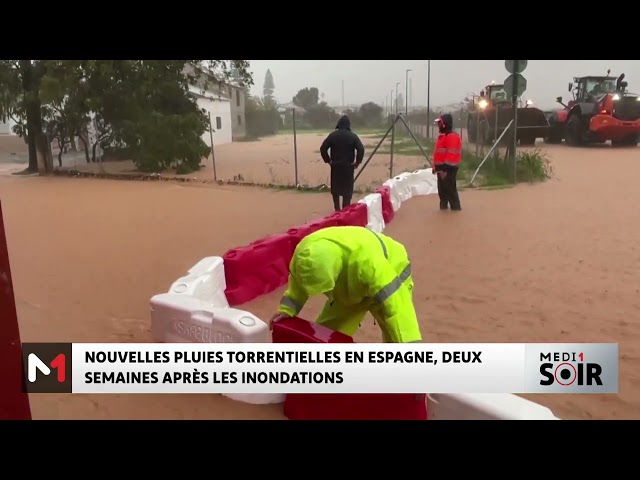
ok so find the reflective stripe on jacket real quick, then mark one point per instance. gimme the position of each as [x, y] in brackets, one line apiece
[355, 266]
[448, 150]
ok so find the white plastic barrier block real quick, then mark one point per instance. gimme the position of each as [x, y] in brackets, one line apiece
[423, 182]
[400, 189]
[375, 219]
[485, 406]
[403, 185]
[205, 281]
[393, 191]
[185, 319]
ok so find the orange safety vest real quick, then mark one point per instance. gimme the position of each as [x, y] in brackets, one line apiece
[448, 150]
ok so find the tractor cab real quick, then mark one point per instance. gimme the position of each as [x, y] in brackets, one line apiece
[592, 88]
[496, 93]
[491, 96]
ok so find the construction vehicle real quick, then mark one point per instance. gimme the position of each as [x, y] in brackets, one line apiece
[601, 110]
[491, 112]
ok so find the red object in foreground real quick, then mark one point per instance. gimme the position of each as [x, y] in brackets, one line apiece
[354, 215]
[257, 269]
[341, 406]
[298, 233]
[14, 403]
[387, 207]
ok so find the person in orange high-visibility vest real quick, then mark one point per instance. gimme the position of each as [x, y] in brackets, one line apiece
[446, 160]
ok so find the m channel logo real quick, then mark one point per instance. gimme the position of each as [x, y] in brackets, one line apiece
[572, 368]
[47, 367]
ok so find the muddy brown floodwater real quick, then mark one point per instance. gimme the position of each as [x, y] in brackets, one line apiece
[554, 262]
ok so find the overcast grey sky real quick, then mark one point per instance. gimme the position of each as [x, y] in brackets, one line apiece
[451, 80]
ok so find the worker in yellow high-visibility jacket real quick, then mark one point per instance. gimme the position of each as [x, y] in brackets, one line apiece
[359, 271]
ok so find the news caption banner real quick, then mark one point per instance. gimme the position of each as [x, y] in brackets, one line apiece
[267, 368]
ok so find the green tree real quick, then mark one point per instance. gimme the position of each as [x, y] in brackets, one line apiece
[306, 98]
[268, 89]
[128, 99]
[370, 114]
[262, 119]
[321, 116]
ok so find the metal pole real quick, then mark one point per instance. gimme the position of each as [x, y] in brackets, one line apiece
[393, 142]
[406, 91]
[374, 151]
[428, 97]
[295, 147]
[514, 105]
[213, 155]
[489, 153]
[397, 85]
[415, 140]
[391, 103]
[410, 94]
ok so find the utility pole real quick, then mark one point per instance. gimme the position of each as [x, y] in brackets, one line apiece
[410, 93]
[391, 103]
[428, 98]
[406, 91]
[397, 85]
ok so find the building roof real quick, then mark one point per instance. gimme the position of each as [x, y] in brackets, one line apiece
[212, 75]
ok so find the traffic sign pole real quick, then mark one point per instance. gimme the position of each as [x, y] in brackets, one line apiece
[515, 84]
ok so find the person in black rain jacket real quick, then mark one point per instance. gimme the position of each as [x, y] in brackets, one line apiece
[343, 150]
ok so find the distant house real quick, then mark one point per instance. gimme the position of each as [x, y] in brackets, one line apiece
[286, 113]
[219, 110]
[234, 94]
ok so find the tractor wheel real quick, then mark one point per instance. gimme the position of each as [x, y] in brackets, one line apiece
[471, 131]
[527, 141]
[575, 131]
[484, 132]
[554, 136]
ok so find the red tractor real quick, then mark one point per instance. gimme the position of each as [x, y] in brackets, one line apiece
[601, 110]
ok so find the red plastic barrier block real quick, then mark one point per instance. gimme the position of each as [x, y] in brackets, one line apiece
[298, 233]
[297, 330]
[257, 269]
[387, 207]
[342, 406]
[354, 215]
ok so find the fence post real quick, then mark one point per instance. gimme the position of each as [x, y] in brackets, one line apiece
[213, 155]
[393, 141]
[295, 147]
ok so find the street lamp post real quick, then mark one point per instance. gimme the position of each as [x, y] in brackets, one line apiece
[391, 103]
[428, 97]
[397, 85]
[406, 91]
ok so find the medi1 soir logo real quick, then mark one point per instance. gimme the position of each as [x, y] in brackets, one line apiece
[572, 368]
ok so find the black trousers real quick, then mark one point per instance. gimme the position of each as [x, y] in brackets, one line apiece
[448, 189]
[346, 201]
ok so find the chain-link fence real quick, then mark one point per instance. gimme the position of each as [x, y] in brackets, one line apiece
[292, 157]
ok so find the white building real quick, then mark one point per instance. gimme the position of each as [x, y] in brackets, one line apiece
[219, 109]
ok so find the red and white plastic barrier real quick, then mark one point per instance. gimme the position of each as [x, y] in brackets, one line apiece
[198, 306]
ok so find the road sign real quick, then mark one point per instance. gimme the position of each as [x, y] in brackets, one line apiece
[510, 81]
[511, 64]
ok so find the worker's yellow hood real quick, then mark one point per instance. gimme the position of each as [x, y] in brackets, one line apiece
[316, 266]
